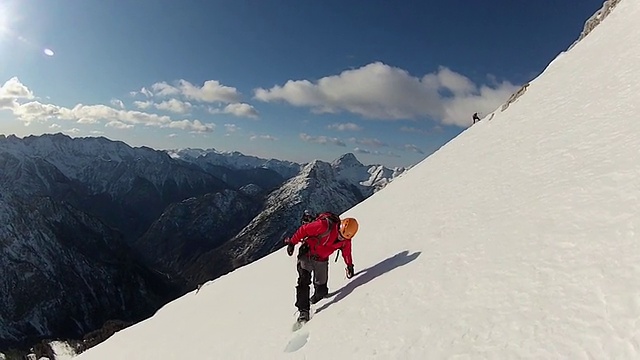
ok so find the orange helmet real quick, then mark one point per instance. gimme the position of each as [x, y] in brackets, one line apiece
[348, 228]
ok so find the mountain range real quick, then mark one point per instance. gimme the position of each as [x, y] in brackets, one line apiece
[126, 229]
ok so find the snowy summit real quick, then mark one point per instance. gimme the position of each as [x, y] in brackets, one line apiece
[517, 239]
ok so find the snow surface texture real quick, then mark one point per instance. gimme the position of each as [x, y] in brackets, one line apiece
[62, 350]
[518, 239]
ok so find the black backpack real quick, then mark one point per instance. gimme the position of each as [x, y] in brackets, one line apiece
[332, 219]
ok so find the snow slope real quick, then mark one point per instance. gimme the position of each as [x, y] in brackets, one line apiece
[517, 239]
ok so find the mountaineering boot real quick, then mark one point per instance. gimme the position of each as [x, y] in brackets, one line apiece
[319, 293]
[315, 298]
[304, 316]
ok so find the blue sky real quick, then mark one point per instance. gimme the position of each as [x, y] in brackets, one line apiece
[391, 81]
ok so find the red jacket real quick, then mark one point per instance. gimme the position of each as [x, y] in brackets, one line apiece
[323, 247]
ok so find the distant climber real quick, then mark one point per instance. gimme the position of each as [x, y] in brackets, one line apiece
[476, 118]
[320, 238]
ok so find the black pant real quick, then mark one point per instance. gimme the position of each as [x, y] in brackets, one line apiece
[306, 267]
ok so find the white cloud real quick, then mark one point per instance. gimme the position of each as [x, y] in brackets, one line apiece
[263, 137]
[241, 110]
[164, 89]
[369, 142]
[445, 79]
[143, 104]
[236, 109]
[322, 140]
[117, 103]
[231, 128]
[8, 103]
[193, 126]
[361, 151]
[55, 126]
[211, 91]
[118, 125]
[14, 89]
[91, 114]
[414, 148]
[370, 152]
[174, 105]
[11, 91]
[88, 120]
[345, 127]
[35, 111]
[73, 131]
[172, 135]
[380, 91]
[144, 91]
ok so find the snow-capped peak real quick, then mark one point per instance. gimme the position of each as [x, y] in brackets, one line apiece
[347, 160]
[189, 153]
[368, 179]
[319, 170]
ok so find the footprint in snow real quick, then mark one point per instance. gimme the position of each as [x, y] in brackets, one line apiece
[298, 340]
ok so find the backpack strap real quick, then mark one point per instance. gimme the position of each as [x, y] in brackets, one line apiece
[331, 219]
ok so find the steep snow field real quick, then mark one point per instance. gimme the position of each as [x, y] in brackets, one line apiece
[518, 239]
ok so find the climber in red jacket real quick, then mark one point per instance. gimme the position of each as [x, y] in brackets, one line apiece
[320, 238]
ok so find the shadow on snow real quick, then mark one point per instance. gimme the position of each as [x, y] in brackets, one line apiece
[364, 276]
